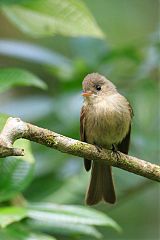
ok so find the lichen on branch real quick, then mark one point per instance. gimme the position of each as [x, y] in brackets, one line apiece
[15, 128]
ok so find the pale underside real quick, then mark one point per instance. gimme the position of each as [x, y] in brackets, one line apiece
[107, 122]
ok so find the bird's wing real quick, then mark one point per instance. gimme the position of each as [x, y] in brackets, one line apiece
[87, 163]
[124, 145]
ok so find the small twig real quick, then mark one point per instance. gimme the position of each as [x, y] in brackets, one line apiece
[6, 152]
[16, 128]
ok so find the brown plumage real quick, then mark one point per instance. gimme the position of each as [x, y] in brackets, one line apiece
[105, 121]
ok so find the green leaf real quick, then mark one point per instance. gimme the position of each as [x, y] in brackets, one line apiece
[51, 213]
[10, 2]
[38, 55]
[67, 17]
[63, 219]
[65, 228]
[15, 172]
[15, 176]
[17, 231]
[68, 219]
[10, 77]
[9, 215]
[3, 119]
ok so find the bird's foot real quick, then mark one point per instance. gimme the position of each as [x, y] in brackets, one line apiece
[115, 152]
[99, 148]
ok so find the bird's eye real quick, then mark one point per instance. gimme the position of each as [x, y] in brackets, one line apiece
[98, 87]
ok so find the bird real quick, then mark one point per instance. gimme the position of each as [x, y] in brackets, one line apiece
[105, 121]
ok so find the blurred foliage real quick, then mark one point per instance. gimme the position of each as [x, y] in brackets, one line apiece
[13, 77]
[64, 17]
[123, 44]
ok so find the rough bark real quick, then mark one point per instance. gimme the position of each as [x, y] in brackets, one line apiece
[15, 128]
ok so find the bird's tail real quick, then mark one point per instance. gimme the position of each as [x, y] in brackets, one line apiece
[101, 185]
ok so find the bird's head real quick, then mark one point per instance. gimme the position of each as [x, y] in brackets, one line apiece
[97, 86]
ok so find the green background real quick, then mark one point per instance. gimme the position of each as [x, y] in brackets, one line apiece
[128, 56]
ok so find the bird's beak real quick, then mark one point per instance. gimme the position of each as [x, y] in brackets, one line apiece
[87, 94]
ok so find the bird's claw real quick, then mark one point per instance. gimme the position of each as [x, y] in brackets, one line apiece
[99, 149]
[115, 152]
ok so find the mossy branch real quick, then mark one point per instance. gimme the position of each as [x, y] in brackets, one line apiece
[15, 128]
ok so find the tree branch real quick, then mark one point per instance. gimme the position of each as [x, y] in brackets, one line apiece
[15, 128]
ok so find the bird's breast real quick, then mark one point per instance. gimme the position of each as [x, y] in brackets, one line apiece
[107, 121]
